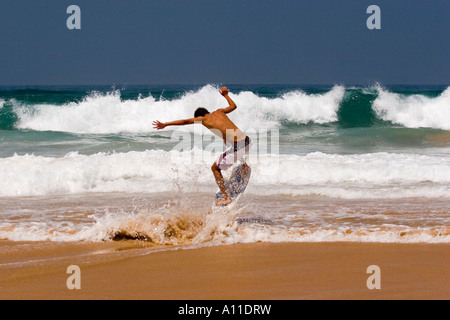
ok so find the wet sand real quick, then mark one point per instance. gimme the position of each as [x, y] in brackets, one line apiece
[273, 271]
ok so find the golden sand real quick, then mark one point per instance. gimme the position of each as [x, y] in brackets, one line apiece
[274, 271]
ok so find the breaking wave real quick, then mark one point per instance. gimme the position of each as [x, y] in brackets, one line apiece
[108, 112]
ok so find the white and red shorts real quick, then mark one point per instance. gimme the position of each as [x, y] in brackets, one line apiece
[234, 152]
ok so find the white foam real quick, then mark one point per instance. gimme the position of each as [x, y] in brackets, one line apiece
[414, 111]
[343, 176]
[107, 113]
[203, 229]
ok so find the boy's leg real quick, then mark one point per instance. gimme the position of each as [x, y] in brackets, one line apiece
[225, 161]
[221, 183]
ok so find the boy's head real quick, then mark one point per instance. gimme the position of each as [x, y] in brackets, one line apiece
[200, 112]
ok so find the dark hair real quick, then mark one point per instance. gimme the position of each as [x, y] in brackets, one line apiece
[200, 112]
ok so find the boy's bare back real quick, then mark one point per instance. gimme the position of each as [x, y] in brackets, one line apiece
[219, 123]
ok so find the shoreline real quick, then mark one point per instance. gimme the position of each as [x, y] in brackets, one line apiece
[127, 270]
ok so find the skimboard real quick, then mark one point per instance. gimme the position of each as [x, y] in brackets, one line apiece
[235, 186]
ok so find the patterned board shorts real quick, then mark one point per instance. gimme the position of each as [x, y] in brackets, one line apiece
[234, 152]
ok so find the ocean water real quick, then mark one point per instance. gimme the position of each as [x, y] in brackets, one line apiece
[329, 163]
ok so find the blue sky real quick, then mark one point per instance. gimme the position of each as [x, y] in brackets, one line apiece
[239, 42]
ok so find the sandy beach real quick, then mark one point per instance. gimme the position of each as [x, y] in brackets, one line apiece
[274, 271]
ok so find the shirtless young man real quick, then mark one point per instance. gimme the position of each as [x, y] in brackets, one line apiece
[236, 141]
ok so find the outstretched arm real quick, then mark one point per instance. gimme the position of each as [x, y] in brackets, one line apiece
[232, 106]
[161, 125]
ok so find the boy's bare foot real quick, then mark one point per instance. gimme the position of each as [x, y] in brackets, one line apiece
[244, 169]
[223, 201]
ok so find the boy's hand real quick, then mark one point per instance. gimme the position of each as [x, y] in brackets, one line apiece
[158, 125]
[223, 91]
